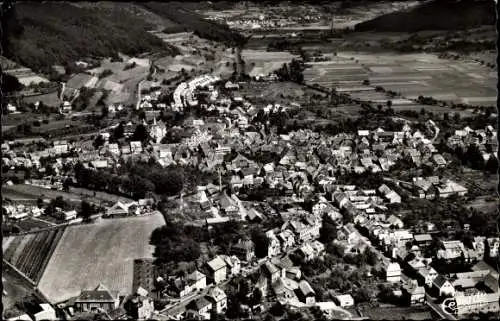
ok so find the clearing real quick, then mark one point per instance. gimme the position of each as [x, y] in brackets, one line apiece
[103, 252]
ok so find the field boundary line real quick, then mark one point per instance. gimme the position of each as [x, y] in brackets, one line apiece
[20, 273]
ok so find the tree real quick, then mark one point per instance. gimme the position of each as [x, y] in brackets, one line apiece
[366, 82]
[361, 295]
[98, 142]
[39, 202]
[277, 310]
[389, 103]
[140, 134]
[261, 242]
[257, 296]
[492, 164]
[118, 132]
[86, 210]
[328, 230]
[104, 111]
[371, 256]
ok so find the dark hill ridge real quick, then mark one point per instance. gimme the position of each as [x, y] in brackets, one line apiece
[57, 33]
[435, 15]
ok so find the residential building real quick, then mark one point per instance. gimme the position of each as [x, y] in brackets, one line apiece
[392, 272]
[481, 302]
[271, 271]
[493, 244]
[443, 286]
[199, 309]
[450, 250]
[217, 270]
[218, 298]
[306, 293]
[99, 298]
[413, 293]
[344, 300]
[142, 307]
[244, 250]
[47, 313]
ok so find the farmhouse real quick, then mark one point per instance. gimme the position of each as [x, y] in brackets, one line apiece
[99, 298]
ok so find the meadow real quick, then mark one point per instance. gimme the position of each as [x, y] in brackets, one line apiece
[102, 252]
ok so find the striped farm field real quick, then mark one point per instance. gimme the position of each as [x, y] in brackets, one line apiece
[30, 253]
[102, 252]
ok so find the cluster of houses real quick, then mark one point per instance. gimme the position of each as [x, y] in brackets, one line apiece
[433, 187]
[19, 212]
[184, 94]
[141, 207]
[262, 21]
[485, 139]
[473, 291]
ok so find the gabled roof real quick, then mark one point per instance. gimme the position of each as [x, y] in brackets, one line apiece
[439, 281]
[198, 304]
[217, 294]
[422, 237]
[216, 264]
[306, 289]
[270, 267]
[99, 294]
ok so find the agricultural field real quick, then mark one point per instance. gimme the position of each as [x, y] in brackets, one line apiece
[30, 253]
[410, 75]
[262, 62]
[102, 252]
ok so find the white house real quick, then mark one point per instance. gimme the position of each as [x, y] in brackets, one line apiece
[392, 272]
[218, 298]
[344, 300]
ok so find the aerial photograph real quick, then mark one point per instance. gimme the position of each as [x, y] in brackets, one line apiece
[250, 160]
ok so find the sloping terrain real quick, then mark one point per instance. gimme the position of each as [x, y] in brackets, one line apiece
[102, 252]
[435, 15]
[44, 34]
[178, 12]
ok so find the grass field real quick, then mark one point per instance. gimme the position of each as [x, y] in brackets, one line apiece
[30, 253]
[30, 224]
[102, 252]
[24, 191]
[395, 313]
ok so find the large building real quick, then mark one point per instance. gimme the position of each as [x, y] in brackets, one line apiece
[481, 302]
[99, 298]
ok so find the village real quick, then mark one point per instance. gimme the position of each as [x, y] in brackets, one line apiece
[245, 157]
[220, 183]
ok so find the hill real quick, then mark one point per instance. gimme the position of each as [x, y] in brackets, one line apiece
[182, 14]
[435, 15]
[44, 34]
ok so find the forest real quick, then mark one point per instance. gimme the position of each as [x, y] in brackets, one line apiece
[40, 35]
